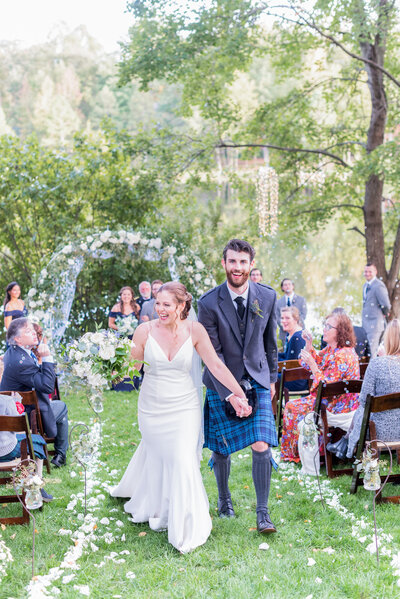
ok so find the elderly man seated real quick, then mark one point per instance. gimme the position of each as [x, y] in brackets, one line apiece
[22, 372]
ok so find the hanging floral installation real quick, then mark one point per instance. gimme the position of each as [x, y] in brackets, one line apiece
[267, 193]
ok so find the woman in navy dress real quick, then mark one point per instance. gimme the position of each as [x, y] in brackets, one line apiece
[294, 343]
[125, 309]
[14, 306]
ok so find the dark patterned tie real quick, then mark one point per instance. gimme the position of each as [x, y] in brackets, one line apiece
[289, 302]
[34, 358]
[240, 307]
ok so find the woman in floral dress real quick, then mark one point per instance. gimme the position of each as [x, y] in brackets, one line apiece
[338, 361]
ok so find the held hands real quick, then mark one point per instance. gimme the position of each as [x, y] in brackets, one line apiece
[240, 405]
[308, 339]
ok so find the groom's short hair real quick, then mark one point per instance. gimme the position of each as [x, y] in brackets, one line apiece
[239, 245]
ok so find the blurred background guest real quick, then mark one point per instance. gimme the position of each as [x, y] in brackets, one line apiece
[337, 362]
[14, 306]
[290, 298]
[145, 293]
[122, 310]
[256, 275]
[376, 307]
[294, 343]
[148, 311]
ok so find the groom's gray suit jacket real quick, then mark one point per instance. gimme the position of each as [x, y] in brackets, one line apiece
[257, 353]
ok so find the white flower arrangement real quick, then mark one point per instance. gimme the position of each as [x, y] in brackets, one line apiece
[5, 558]
[101, 357]
[127, 325]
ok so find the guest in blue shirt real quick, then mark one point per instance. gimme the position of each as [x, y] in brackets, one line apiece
[294, 343]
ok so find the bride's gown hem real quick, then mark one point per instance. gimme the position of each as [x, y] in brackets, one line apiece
[163, 478]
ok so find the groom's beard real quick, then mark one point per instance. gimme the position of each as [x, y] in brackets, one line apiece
[237, 281]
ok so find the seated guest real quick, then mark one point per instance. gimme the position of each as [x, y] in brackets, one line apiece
[22, 372]
[381, 378]
[337, 362]
[127, 306]
[290, 319]
[362, 345]
[148, 311]
[10, 443]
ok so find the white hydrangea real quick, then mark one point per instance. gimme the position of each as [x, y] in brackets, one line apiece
[83, 246]
[32, 292]
[67, 249]
[199, 264]
[171, 249]
[182, 259]
[105, 236]
[197, 277]
[155, 243]
[106, 352]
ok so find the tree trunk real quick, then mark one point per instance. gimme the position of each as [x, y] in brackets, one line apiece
[373, 221]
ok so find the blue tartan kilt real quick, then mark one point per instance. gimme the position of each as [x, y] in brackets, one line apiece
[226, 436]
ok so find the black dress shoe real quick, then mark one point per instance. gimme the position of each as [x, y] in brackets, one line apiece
[264, 523]
[58, 460]
[225, 508]
[339, 449]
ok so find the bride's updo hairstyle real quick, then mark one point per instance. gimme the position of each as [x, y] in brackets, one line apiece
[181, 295]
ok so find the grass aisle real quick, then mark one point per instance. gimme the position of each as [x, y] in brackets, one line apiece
[106, 556]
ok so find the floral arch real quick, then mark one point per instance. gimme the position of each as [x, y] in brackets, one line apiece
[50, 300]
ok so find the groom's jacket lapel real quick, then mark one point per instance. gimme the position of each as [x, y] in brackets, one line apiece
[251, 318]
[229, 311]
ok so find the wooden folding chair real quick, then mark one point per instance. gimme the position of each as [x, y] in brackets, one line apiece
[29, 398]
[373, 405]
[288, 375]
[328, 391]
[15, 424]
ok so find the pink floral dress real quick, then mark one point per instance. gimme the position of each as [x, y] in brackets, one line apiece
[334, 365]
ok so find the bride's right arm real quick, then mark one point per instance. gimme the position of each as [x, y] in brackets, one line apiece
[139, 341]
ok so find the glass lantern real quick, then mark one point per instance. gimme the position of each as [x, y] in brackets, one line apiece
[33, 499]
[372, 479]
[310, 431]
[96, 401]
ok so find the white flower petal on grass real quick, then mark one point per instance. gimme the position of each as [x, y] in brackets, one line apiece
[64, 531]
[123, 538]
[329, 550]
[104, 521]
[311, 562]
[93, 547]
[266, 578]
[318, 580]
[72, 474]
[119, 523]
[130, 575]
[309, 597]
[82, 589]
[68, 578]
[263, 546]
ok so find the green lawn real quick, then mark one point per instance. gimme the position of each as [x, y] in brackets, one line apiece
[115, 558]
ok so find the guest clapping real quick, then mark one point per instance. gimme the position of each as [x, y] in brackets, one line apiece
[22, 372]
[337, 362]
[14, 306]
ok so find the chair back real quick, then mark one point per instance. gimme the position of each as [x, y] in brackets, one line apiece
[363, 368]
[331, 390]
[288, 375]
[18, 424]
[288, 364]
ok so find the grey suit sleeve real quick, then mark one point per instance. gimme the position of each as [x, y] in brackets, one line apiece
[208, 321]
[382, 297]
[270, 344]
[303, 310]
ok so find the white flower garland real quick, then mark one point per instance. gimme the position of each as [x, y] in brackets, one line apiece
[5, 558]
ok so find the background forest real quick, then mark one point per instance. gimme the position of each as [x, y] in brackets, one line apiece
[85, 145]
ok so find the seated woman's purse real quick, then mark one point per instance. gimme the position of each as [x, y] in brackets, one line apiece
[252, 398]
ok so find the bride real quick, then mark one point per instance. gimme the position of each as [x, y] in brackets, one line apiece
[163, 478]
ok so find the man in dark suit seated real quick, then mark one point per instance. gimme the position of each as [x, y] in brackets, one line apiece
[22, 372]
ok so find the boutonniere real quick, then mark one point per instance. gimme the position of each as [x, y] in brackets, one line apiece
[255, 309]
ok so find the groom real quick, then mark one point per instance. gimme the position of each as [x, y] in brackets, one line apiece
[240, 318]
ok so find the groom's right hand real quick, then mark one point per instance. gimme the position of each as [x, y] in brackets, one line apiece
[241, 406]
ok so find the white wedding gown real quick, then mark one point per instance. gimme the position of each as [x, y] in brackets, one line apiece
[163, 478]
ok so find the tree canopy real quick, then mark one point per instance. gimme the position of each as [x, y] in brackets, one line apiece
[330, 128]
